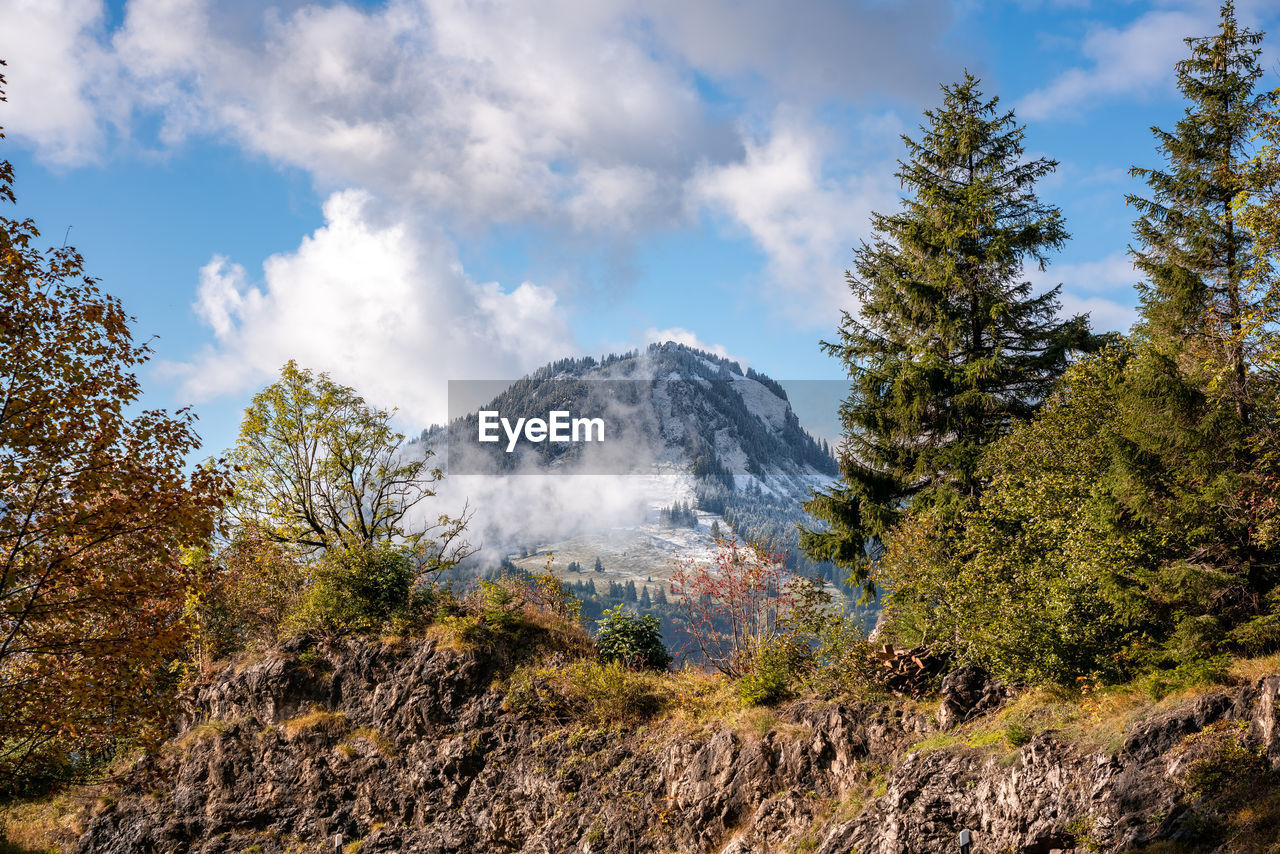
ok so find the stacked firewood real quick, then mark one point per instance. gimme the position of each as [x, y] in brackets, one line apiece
[906, 672]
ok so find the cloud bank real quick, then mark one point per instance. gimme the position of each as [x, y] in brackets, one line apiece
[600, 121]
[380, 305]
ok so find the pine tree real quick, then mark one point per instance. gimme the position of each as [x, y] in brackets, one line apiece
[1186, 462]
[952, 346]
[599, 567]
[1194, 255]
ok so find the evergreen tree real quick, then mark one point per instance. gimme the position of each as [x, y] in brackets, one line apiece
[1194, 255]
[1186, 461]
[951, 347]
[599, 567]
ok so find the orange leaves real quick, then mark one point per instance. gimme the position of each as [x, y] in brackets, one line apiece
[95, 505]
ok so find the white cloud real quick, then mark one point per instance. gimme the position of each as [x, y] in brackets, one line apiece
[379, 306]
[817, 48]
[1105, 315]
[804, 220]
[485, 112]
[587, 116]
[1103, 289]
[1134, 61]
[596, 123]
[55, 66]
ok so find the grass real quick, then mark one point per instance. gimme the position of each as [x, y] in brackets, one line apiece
[200, 733]
[1250, 670]
[384, 746]
[1096, 719]
[316, 720]
[591, 694]
[1235, 804]
[48, 824]
[585, 690]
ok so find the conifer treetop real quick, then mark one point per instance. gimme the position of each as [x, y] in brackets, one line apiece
[950, 346]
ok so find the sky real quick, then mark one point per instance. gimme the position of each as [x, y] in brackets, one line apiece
[409, 192]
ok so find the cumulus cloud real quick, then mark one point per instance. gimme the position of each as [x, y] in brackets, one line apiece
[823, 47]
[595, 123]
[803, 219]
[486, 112]
[1130, 61]
[379, 306]
[56, 67]
[587, 116]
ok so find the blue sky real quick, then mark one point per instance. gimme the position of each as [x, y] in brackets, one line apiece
[405, 193]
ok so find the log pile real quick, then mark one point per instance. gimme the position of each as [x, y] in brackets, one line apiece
[906, 672]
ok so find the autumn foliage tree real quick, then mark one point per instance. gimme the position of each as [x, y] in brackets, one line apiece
[732, 606]
[97, 508]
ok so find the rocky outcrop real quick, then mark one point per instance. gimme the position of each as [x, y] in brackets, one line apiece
[406, 746]
[967, 693]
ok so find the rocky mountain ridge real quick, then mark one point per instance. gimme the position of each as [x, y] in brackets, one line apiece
[413, 745]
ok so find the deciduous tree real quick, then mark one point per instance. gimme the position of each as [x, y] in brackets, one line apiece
[319, 469]
[96, 508]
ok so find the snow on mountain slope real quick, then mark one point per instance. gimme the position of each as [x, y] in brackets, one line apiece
[683, 427]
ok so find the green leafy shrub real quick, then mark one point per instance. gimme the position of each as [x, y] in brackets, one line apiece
[1036, 583]
[1158, 684]
[1018, 734]
[358, 590]
[516, 615]
[632, 639]
[773, 669]
[815, 648]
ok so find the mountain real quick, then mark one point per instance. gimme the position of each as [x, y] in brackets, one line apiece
[683, 443]
[667, 408]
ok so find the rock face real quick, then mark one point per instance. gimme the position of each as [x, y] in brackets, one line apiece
[407, 747]
[967, 693]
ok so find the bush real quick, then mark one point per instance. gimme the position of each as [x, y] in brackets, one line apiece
[631, 639]
[358, 590]
[773, 667]
[597, 692]
[516, 614]
[731, 606]
[1037, 583]
[239, 595]
[1158, 684]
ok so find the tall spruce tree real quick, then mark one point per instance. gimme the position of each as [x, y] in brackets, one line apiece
[952, 346]
[1186, 462]
[1193, 253]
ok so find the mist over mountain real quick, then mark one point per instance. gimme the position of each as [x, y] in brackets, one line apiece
[693, 446]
